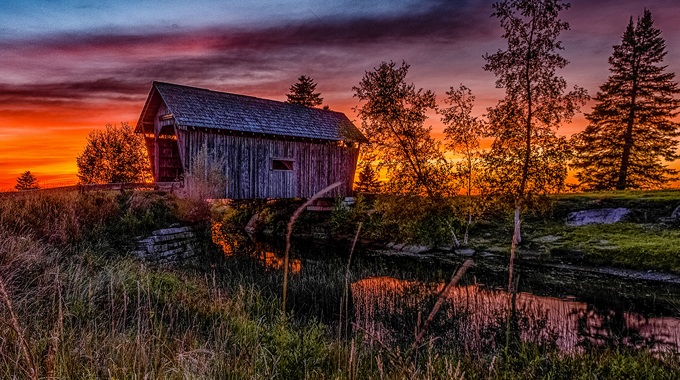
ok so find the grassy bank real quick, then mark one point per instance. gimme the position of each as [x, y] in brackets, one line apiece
[645, 240]
[73, 304]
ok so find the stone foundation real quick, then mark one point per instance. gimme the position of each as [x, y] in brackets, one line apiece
[168, 244]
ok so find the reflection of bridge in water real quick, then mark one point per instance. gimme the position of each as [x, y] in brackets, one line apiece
[265, 255]
[478, 312]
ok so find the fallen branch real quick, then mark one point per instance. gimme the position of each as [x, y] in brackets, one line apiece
[440, 301]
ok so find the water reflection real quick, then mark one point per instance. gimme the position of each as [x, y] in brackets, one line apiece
[474, 318]
[268, 256]
[219, 237]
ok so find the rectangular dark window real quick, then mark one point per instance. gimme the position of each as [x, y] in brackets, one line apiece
[278, 164]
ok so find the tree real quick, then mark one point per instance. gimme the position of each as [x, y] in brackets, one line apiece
[114, 155]
[630, 128]
[463, 132]
[393, 119]
[27, 181]
[302, 93]
[368, 179]
[522, 124]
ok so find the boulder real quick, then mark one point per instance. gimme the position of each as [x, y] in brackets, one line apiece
[676, 214]
[415, 248]
[547, 239]
[465, 252]
[250, 227]
[598, 216]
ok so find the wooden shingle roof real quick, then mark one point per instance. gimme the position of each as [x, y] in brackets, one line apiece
[202, 108]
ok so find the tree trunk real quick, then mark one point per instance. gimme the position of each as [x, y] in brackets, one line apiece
[622, 182]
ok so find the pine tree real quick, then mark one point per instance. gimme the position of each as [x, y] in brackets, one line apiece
[302, 93]
[368, 179]
[27, 181]
[630, 128]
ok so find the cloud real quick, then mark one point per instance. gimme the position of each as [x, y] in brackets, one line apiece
[77, 70]
[72, 90]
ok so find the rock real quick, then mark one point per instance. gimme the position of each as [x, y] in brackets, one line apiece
[169, 231]
[547, 239]
[250, 227]
[465, 252]
[598, 216]
[498, 249]
[415, 248]
[676, 213]
[398, 247]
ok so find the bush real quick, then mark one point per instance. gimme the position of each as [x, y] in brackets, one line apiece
[418, 220]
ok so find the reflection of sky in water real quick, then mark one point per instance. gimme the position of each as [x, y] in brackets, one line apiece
[268, 259]
[571, 322]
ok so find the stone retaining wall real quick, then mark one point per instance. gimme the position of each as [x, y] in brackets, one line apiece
[168, 244]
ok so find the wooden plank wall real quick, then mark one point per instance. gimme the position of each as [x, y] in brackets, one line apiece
[249, 170]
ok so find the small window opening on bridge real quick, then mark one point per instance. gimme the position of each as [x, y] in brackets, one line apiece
[278, 164]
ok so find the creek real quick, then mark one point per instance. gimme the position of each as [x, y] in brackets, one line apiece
[389, 295]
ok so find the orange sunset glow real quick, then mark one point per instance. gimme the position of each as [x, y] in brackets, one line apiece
[67, 69]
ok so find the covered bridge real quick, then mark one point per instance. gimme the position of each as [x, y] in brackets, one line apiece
[272, 149]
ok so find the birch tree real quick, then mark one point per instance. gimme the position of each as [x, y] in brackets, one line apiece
[523, 123]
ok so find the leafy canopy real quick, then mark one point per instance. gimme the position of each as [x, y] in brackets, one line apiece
[393, 118]
[631, 127]
[526, 156]
[463, 133]
[113, 155]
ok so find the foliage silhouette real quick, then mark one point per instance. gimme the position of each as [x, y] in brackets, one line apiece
[302, 93]
[368, 179]
[114, 155]
[463, 132]
[630, 128]
[393, 118]
[27, 181]
[526, 157]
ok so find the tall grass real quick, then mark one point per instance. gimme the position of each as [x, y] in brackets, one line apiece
[72, 305]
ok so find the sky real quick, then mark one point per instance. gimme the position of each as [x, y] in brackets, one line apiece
[68, 67]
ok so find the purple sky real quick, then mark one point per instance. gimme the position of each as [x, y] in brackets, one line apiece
[67, 67]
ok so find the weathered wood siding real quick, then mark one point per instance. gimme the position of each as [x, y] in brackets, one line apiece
[249, 165]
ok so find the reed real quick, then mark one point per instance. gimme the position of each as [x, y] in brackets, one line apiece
[289, 232]
[95, 313]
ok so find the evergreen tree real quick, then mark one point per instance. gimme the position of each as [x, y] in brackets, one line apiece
[630, 128]
[302, 93]
[27, 181]
[368, 179]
